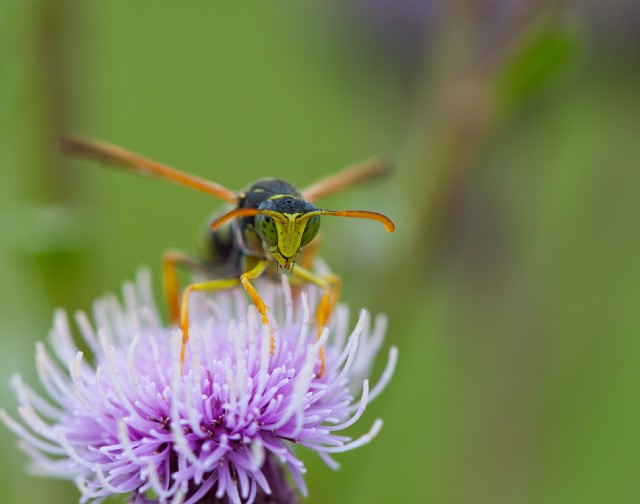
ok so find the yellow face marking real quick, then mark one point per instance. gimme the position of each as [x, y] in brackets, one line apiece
[290, 229]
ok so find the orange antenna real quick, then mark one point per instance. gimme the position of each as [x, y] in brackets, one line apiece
[357, 214]
[137, 164]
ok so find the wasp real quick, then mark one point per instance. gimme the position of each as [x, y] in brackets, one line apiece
[270, 224]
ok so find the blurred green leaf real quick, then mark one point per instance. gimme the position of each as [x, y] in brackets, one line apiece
[542, 56]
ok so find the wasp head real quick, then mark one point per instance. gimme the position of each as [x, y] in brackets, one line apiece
[286, 224]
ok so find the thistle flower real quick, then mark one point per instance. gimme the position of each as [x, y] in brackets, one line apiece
[225, 428]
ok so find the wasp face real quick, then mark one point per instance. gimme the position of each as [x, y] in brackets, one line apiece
[285, 229]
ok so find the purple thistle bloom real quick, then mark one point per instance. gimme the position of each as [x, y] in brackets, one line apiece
[223, 429]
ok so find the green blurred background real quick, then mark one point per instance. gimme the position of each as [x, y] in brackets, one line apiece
[511, 283]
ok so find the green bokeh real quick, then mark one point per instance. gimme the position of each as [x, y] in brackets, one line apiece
[511, 284]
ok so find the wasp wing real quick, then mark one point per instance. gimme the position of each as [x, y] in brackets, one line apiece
[350, 176]
[135, 163]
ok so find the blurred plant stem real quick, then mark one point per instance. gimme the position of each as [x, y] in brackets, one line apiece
[57, 254]
[53, 62]
[458, 111]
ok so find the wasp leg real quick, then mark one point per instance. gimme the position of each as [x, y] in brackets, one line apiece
[245, 279]
[222, 284]
[336, 284]
[211, 285]
[331, 285]
[309, 254]
[170, 260]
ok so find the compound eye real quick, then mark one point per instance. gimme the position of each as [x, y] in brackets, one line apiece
[310, 230]
[266, 229]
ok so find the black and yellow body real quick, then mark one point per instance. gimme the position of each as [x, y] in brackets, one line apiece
[230, 245]
[270, 224]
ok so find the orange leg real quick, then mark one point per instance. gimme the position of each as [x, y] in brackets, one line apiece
[245, 279]
[336, 288]
[170, 260]
[221, 284]
[309, 253]
[331, 285]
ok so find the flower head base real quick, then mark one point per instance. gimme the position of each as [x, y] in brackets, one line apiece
[220, 431]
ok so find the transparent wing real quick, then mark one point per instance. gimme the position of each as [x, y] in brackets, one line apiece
[350, 176]
[135, 163]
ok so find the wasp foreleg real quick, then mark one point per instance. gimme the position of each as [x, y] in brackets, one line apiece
[245, 279]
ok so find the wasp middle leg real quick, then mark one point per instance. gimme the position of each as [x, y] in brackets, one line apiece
[170, 261]
[331, 285]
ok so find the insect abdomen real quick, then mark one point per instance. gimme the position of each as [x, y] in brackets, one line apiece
[221, 249]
